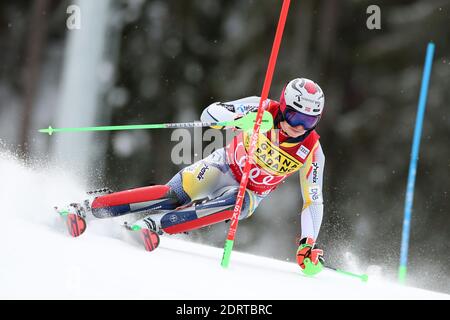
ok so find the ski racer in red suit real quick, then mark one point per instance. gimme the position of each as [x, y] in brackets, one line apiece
[205, 192]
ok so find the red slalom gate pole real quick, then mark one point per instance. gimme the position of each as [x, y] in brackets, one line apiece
[254, 138]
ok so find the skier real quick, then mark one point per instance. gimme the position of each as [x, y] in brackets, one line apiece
[205, 192]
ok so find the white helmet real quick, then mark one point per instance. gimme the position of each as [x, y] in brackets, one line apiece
[305, 97]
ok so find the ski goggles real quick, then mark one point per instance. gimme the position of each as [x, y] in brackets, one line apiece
[295, 118]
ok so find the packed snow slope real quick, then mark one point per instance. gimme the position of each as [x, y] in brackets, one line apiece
[39, 260]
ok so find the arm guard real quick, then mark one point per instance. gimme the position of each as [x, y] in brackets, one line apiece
[311, 177]
[228, 111]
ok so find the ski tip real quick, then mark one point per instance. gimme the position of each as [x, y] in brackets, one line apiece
[75, 224]
[150, 239]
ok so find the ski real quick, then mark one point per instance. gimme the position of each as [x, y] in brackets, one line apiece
[76, 224]
[148, 237]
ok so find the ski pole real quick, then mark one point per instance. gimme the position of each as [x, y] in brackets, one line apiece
[364, 277]
[245, 123]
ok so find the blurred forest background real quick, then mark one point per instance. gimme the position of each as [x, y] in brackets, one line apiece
[139, 61]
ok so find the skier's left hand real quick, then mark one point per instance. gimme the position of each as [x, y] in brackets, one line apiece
[237, 117]
[309, 258]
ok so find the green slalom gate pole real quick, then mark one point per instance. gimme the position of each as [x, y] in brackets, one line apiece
[245, 123]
